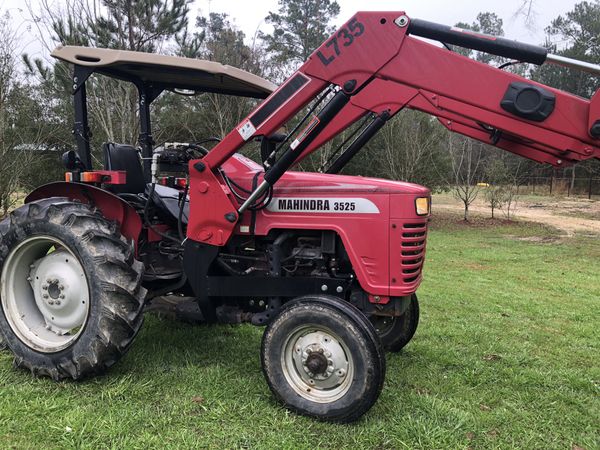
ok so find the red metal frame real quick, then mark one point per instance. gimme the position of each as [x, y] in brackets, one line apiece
[393, 70]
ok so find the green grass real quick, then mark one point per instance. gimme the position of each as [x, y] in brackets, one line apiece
[506, 356]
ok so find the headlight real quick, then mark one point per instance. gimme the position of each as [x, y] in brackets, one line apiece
[422, 206]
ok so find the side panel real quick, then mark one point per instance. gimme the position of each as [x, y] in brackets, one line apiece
[111, 206]
[364, 231]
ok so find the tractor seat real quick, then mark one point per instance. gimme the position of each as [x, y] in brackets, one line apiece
[125, 157]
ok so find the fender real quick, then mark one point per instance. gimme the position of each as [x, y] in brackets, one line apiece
[111, 206]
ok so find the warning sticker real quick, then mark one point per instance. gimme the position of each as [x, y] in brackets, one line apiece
[311, 126]
[246, 130]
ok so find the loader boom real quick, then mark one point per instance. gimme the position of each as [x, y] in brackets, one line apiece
[376, 65]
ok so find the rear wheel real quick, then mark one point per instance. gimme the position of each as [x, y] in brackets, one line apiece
[321, 357]
[396, 332]
[71, 300]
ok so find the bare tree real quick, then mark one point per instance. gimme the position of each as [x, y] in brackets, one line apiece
[496, 178]
[527, 11]
[465, 158]
[514, 179]
[12, 160]
[407, 141]
[495, 194]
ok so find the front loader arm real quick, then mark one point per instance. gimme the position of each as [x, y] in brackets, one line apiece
[377, 67]
[466, 96]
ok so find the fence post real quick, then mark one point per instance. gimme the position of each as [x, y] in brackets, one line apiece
[590, 188]
[551, 182]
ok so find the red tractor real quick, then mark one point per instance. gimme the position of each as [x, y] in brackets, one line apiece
[330, 263]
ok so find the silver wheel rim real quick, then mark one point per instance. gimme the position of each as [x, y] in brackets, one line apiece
[317, 364]
[45, 294]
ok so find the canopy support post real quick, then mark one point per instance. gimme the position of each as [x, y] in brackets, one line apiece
[146, 95]
[81, 129]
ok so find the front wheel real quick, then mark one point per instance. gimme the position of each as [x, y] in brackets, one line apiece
[70, 297]
[321, 357]
[396, 332]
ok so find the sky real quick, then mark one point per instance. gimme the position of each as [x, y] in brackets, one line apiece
[249, 15]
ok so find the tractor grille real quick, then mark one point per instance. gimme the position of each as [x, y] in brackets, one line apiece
[412, 250]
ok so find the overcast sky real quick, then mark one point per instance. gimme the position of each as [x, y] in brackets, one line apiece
[249, 15]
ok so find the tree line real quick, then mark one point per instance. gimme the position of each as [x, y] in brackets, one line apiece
[36, 104]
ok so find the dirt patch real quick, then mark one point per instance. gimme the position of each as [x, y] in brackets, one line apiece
[571, 216]
[537, 239]
[442, 219]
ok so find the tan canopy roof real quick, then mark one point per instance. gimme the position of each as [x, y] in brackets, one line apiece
[168, 72]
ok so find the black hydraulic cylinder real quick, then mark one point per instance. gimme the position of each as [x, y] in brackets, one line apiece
[358, 143]
[506, 48]
[329, 111]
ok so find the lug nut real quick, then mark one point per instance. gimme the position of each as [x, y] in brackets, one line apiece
[61, 296]
[61, 287]
[29, 278]
[57, 302]
[49, 281]
[45, 287]
[51, 302]
[45, 296]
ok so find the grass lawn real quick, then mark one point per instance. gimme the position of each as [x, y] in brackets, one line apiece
[506, 355]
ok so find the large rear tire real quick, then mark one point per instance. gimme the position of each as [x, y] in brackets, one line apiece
[322, 358]
[396, 332]
[71, 296]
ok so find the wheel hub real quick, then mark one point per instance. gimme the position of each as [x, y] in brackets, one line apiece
[44, 293]
[320, 362]
[54, 289]
[60, 291]
[316, 363]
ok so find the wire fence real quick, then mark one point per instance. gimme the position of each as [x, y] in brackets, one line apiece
[562, 186]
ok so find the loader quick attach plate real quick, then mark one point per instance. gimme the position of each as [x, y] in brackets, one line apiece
[211, 202]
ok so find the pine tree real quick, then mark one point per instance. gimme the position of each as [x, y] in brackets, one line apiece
[140, 25]
[300, 26]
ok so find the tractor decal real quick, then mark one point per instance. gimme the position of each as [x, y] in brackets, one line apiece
[323, 205]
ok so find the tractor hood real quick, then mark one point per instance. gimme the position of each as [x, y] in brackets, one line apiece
[318, 182]
[242, 170]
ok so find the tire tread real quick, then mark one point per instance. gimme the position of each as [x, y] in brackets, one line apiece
[119, 276]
